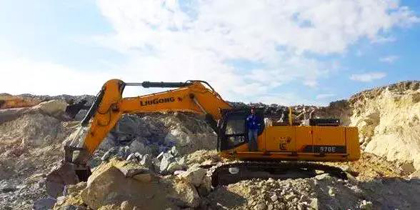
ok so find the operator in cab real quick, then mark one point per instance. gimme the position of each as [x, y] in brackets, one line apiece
[253, 124]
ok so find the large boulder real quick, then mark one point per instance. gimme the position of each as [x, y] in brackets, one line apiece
[52, 108]
[184, 194]
[109, 186]
[194, 175]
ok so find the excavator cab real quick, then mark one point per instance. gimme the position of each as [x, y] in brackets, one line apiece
[232, 129]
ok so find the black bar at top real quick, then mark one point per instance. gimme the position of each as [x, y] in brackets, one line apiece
[148, 84]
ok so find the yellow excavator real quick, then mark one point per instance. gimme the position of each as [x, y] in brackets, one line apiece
[282, 147]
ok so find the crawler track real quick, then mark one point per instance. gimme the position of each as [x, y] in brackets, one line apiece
[278, 170]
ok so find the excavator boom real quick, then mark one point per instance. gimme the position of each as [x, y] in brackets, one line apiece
[191, 96]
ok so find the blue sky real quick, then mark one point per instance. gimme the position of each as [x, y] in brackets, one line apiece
[290, 52]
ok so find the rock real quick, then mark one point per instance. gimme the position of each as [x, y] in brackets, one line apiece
[205, 186]
[110, 207]
[109, 186]
[52, 108]
[184, 195]
[345, 168]
[72, 207]
[167, 159]
[146, 161]
[408, 168]
[323, 176]
[416, 174]
[44, 203]
[174, 167]
[125, 205]
[138, 156]
[156, 164]
[366, 205]
[194, 175]
[137, 146]
[260, 206]
[314, 203]
[331, 192]
[143, 177]
[131, 169]
[108, 143]
[160, 156]
[108, 154]
[174, 151]
[132, 157]
[74, 189]
[7, 187]
[81, 115]
[181, 161]
[274, 197]
[123, 152]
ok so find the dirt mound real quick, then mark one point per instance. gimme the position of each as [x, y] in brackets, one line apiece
[371, 166]
[388, 121]
[32, 129]
[321, 192]
[30, 146]
[387, 118]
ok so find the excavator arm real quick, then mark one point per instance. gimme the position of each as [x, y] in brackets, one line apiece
[190, 96]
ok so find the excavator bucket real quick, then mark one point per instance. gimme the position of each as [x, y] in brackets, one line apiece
[59, 178]
[66, 174]
[72, 170]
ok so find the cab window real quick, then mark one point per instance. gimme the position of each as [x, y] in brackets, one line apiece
[235, 126]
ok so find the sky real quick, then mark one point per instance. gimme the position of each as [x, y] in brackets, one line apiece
[271, 51]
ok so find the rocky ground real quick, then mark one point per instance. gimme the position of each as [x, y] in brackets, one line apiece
[151, 161]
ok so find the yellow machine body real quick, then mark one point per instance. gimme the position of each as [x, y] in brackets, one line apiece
[277, 142]
[305, 143]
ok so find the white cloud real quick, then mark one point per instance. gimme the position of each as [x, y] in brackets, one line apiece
[174, 40]
[389, 59]
[28, 76]
[325, 96]
[368, 77]
[48, 78]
